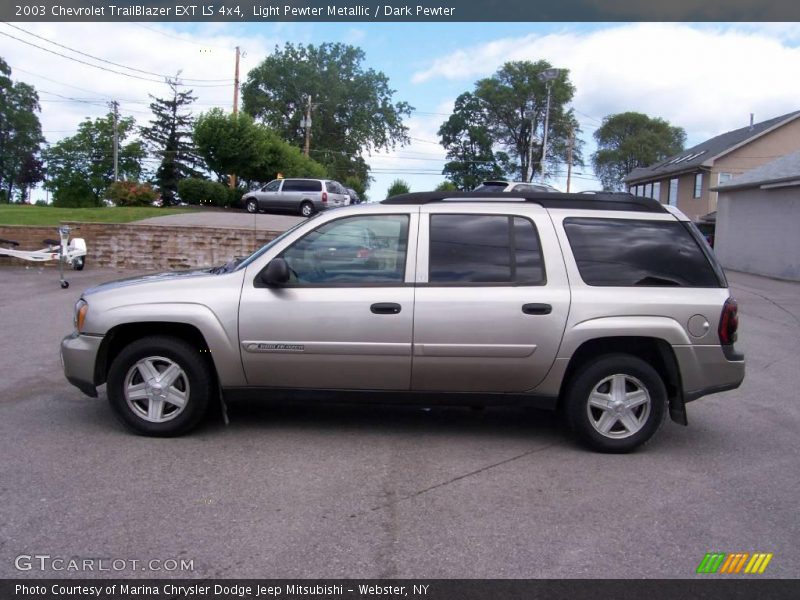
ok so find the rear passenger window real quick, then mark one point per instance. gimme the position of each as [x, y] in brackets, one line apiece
[302, 185]
[484, 249]
[625, 252]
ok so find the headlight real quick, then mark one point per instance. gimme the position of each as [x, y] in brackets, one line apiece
[81, 308]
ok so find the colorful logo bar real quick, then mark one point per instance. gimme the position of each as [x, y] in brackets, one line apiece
[736, 562]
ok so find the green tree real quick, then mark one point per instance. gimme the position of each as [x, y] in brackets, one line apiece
[358, 185]
[398, 187]
[169, 137]
[447, 186]
[629, 140]
[465, 136]
[352, 107]
[513, 105]
[235, 144]
[81, 167]
[20, 136]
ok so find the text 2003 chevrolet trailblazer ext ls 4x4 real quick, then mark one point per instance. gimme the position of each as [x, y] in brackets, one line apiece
[609, 307]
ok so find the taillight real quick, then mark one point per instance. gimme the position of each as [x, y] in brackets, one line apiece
[729, 322]
[324, 197]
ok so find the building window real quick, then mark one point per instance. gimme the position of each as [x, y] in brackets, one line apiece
[698, 185]
[725, 178]
[673, 192]
[657, 191]
[648, 190]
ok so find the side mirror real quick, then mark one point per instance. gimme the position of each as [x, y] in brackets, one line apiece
[276, 273]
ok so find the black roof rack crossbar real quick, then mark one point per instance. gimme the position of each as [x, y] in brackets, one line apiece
[597, 201]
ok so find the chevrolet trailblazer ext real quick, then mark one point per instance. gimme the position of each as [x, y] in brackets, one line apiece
[610, 308]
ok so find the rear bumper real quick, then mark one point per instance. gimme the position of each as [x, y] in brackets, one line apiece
[708, 370]
[78, 357]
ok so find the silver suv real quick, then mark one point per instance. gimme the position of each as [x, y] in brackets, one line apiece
[610, 308]
[304, 196]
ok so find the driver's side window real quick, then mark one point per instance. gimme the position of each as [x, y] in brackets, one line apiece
[272, 186]
[351, 251]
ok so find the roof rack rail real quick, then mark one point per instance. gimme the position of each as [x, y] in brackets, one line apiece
[596, 201]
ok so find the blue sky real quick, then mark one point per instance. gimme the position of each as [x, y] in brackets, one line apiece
[707, 78]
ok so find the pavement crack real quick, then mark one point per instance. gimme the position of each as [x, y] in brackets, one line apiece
[771, 301]
[458, 478]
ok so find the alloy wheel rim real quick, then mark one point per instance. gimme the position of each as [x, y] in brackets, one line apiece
[618, 406]
[156, 389]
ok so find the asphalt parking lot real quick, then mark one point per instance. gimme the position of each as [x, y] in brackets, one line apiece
[300, 491]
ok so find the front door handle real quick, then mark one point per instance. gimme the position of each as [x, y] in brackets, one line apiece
[385, 308]
[537, 309]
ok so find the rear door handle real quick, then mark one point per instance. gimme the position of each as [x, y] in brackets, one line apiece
[385, 308]
[537, 309]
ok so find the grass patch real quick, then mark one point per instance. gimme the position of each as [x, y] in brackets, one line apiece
[21, 214]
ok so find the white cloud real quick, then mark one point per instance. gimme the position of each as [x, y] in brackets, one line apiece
[706, 79]
[207, 54]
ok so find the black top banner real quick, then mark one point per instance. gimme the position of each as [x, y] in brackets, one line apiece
[399, 10]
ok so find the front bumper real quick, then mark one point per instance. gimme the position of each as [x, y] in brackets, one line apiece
[78, 357]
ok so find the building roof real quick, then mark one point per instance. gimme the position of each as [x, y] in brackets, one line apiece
[705, 153]
[783, 170]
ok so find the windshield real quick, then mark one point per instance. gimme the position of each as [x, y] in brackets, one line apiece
[491, 186]
[270, 244]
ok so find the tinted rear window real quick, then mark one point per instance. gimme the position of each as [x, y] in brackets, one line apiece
[624, 252]
[302, 185]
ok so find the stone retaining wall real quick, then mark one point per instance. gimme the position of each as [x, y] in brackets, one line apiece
[144, 247]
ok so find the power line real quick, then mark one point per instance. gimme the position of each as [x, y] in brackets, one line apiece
[83, 62]
[175, 37]
[108, 61]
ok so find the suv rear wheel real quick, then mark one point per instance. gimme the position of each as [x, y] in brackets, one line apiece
[616, 403]
[159, 386]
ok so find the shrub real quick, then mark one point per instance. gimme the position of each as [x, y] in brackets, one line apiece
[194, 190]
[398, 187]
[131, 193]
[447, 186]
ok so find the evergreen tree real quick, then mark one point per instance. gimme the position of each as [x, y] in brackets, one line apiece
[170, 138]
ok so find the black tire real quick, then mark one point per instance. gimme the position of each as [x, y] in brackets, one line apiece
[306, 208]
[251, 205]
[643, 420]
[195, 382]
[79, 263]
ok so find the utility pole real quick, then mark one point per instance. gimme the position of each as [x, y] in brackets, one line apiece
[544, 136]
[236, 83]
[528, 175]
[115, 108]
[306, 123]
[569, 156]
[547, 76]
[232, 178]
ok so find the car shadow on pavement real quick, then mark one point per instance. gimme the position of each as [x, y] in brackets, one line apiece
[506, 422]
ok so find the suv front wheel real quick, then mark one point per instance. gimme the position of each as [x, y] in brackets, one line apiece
[615, 403]
[160, 386]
